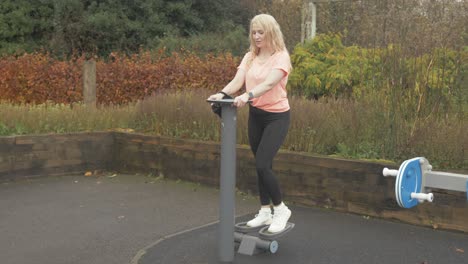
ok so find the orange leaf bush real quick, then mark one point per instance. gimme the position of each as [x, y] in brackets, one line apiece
[38, 78]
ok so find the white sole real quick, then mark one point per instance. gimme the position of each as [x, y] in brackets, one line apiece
[290, 213]
[265, 223]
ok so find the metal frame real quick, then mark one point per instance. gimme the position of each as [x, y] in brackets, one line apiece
[227, 182]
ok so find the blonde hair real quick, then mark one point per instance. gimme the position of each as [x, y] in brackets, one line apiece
[273, 34]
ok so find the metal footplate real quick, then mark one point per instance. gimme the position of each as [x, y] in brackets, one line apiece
[266, 241]
[244, 228]
[264, 234]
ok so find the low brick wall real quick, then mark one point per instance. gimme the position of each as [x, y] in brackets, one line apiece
[55, 154]
[339, 184]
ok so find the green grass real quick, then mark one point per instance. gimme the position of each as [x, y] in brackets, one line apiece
[340, 128]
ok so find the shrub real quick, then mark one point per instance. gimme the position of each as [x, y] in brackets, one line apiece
[39, 78]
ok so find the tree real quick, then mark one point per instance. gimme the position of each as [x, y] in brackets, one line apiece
[101, 26]
[24, 25]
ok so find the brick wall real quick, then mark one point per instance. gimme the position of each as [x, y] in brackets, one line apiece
[339, 184]
[55, 154]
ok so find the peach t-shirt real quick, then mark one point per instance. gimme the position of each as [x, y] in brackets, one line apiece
[275, 100]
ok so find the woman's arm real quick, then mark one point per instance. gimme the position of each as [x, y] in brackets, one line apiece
[232, 87]
[236, 84]
[271, 81]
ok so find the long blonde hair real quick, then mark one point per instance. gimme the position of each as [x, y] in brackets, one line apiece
[273, 34]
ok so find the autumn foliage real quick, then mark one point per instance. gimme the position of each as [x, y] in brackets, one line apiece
[38, 78]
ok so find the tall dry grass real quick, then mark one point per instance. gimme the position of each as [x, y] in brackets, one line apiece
[61, 118]
[341, 127]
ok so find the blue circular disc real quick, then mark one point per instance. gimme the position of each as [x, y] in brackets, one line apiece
[408, 181]
[398, 183]
[274, 246]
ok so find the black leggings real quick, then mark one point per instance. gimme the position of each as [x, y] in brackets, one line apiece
[267, 132]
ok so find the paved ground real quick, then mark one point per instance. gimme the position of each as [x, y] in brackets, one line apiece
[98, 220]
[139, 219]
[325, 237]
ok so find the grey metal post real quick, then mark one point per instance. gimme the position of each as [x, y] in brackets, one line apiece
[442, 180]
[227, 182]
[446, 180]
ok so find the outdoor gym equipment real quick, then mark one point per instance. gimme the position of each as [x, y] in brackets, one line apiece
[249, 244]
[226, 235]
[415, 177]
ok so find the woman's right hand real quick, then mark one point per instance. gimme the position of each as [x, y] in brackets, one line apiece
[216, 97]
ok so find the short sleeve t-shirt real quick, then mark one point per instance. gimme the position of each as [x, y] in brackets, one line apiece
[275, 100]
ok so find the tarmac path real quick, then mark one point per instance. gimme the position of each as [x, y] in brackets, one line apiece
[138, 219]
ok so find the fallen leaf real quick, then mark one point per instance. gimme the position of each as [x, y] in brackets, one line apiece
[127, 130]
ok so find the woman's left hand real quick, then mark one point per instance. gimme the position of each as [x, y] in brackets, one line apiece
[241, 100]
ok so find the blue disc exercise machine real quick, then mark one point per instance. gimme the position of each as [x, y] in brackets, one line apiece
[415, 177]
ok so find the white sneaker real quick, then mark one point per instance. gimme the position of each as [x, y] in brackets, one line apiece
[280, 219]
[263, 217]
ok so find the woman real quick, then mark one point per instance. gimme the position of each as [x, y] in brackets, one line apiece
[264, 70]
